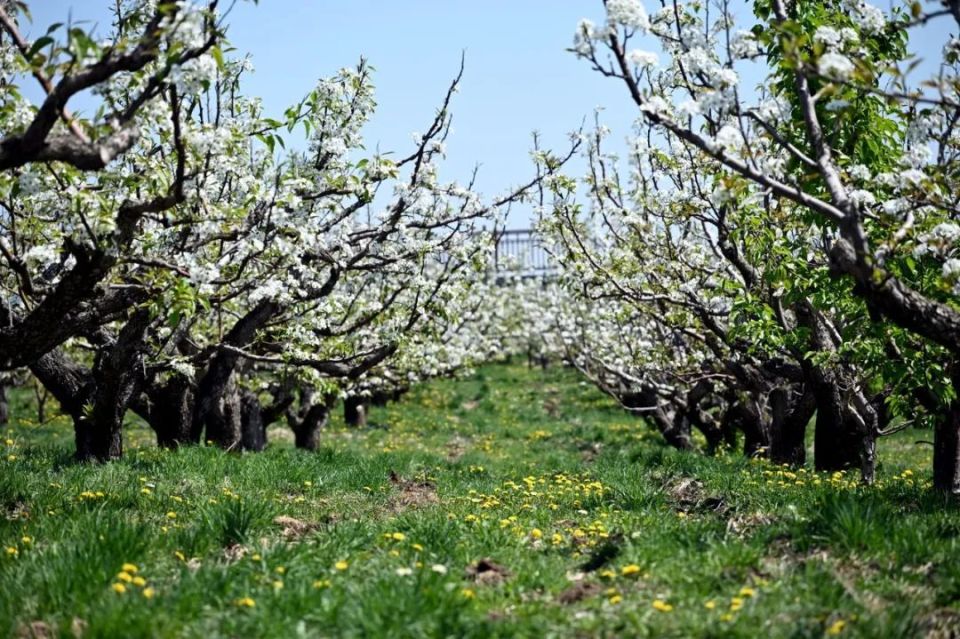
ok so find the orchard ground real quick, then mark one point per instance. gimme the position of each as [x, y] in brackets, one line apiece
[582, 522]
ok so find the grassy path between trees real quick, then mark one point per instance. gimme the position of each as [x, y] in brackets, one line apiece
[515, 503]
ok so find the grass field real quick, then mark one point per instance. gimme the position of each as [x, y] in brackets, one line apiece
[515, 503]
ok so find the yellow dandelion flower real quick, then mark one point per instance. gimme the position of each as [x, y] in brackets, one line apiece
[139, 581]
[536, 533]
[747, 592]
[119, 588]
[149, 593]
[398, 536]
[245, 602]
[710, 605]
[615, 599]
[277, 585]
[27, 539]
[632, 569]
[179, 555]
[468, 593]
[255, 556]
[341, 565]
[131, 568]
[13, 552]
[171, 515]
[661, 605]
[836, 627]
[280, 570]
[125, 577]
[322, 583]
[417, 547]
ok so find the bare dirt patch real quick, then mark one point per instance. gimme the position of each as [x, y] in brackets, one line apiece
[411, 494]
[578, 592]
[487, 572]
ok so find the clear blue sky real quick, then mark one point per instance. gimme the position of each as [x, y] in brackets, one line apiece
[518, 75]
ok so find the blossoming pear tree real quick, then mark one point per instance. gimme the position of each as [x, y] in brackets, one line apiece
[169, 256]
[822, 196]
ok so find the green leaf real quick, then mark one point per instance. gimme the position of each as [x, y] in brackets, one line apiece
[39, 44]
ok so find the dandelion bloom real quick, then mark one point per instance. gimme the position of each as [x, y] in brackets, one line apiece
[245, 602]
[662, 605]
[119, 588]
[149, 593]
[632, 569]
[341, 565]
[836, 627]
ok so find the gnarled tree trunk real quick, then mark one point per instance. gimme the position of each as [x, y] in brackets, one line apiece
[788, 427]
[118, 375]
[171, 413]
[253, 429]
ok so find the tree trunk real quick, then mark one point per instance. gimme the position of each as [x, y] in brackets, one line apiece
[789, 426]
[224, 423]
[253, 429]
[946, 444]
[701, 419]
[744, 414]
[836, 441]
[306, 431]
[354, 411]
[171, 413]
[118, 375]
[676, 432]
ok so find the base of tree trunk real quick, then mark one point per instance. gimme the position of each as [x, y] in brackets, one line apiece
[354, 412]
[946, 452]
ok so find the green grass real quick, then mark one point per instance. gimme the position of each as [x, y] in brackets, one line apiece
[533, 470]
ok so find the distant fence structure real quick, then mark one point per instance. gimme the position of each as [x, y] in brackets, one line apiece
[520, 252]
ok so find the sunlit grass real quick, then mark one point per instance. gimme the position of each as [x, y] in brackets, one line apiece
[592, 527]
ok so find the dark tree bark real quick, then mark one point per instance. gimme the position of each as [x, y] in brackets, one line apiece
[253, 427]
[171, 412]
[675, 432]
[118, 374]
[306, 429]
[838, 440]
[701, 419]
[788, 427]
[224, 420]
[355, 411]
[745, 416]
[217, 405]
[946, 444]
